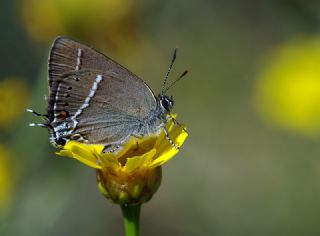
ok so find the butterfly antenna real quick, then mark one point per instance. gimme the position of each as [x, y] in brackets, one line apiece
[173, 83]
[174, 56]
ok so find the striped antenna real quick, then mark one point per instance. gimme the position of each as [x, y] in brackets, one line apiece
[174, 56]
[180, 77]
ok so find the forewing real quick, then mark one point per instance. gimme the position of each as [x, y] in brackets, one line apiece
[67, 55]
[104, 100]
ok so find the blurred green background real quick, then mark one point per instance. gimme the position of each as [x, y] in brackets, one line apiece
[251, 164]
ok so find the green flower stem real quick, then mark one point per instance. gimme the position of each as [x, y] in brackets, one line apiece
[131, 216]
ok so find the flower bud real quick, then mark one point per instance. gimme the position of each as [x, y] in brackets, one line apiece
[129, 188]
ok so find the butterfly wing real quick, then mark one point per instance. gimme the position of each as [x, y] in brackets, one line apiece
[98, 98]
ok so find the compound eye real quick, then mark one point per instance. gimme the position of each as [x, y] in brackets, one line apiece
[167, 103]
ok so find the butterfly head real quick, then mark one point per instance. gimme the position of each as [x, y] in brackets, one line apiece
[166, 103]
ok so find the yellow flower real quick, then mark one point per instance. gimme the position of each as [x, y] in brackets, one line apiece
[14, 96]
[5, 179]
[288, 91]
[133, 175]
[96, 21]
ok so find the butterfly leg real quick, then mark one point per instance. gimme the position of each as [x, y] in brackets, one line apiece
[176, 122]
[169, 139]
[110, 148]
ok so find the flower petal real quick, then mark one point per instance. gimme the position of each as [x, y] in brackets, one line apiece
[81, 152]
[108, 160]
[138, 153]
[136, 162]
[166, 151]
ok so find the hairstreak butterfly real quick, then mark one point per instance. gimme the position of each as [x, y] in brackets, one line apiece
[95, 100]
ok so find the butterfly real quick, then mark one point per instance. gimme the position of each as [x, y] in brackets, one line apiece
[95, 100]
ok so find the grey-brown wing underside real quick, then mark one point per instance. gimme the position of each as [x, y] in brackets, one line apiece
[104, 100]
[112, 112]
[67, 57]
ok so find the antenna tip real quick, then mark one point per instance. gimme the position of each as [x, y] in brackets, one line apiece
[32, 124]
[183, 74]
[29, 110]
[175, 52]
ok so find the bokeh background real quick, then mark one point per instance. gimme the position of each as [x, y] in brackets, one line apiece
[251, 164]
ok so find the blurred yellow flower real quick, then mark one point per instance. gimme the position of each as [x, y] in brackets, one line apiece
[288, 90]
[14, 96]
[101, 22]
[134, 174]
[5, 179]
